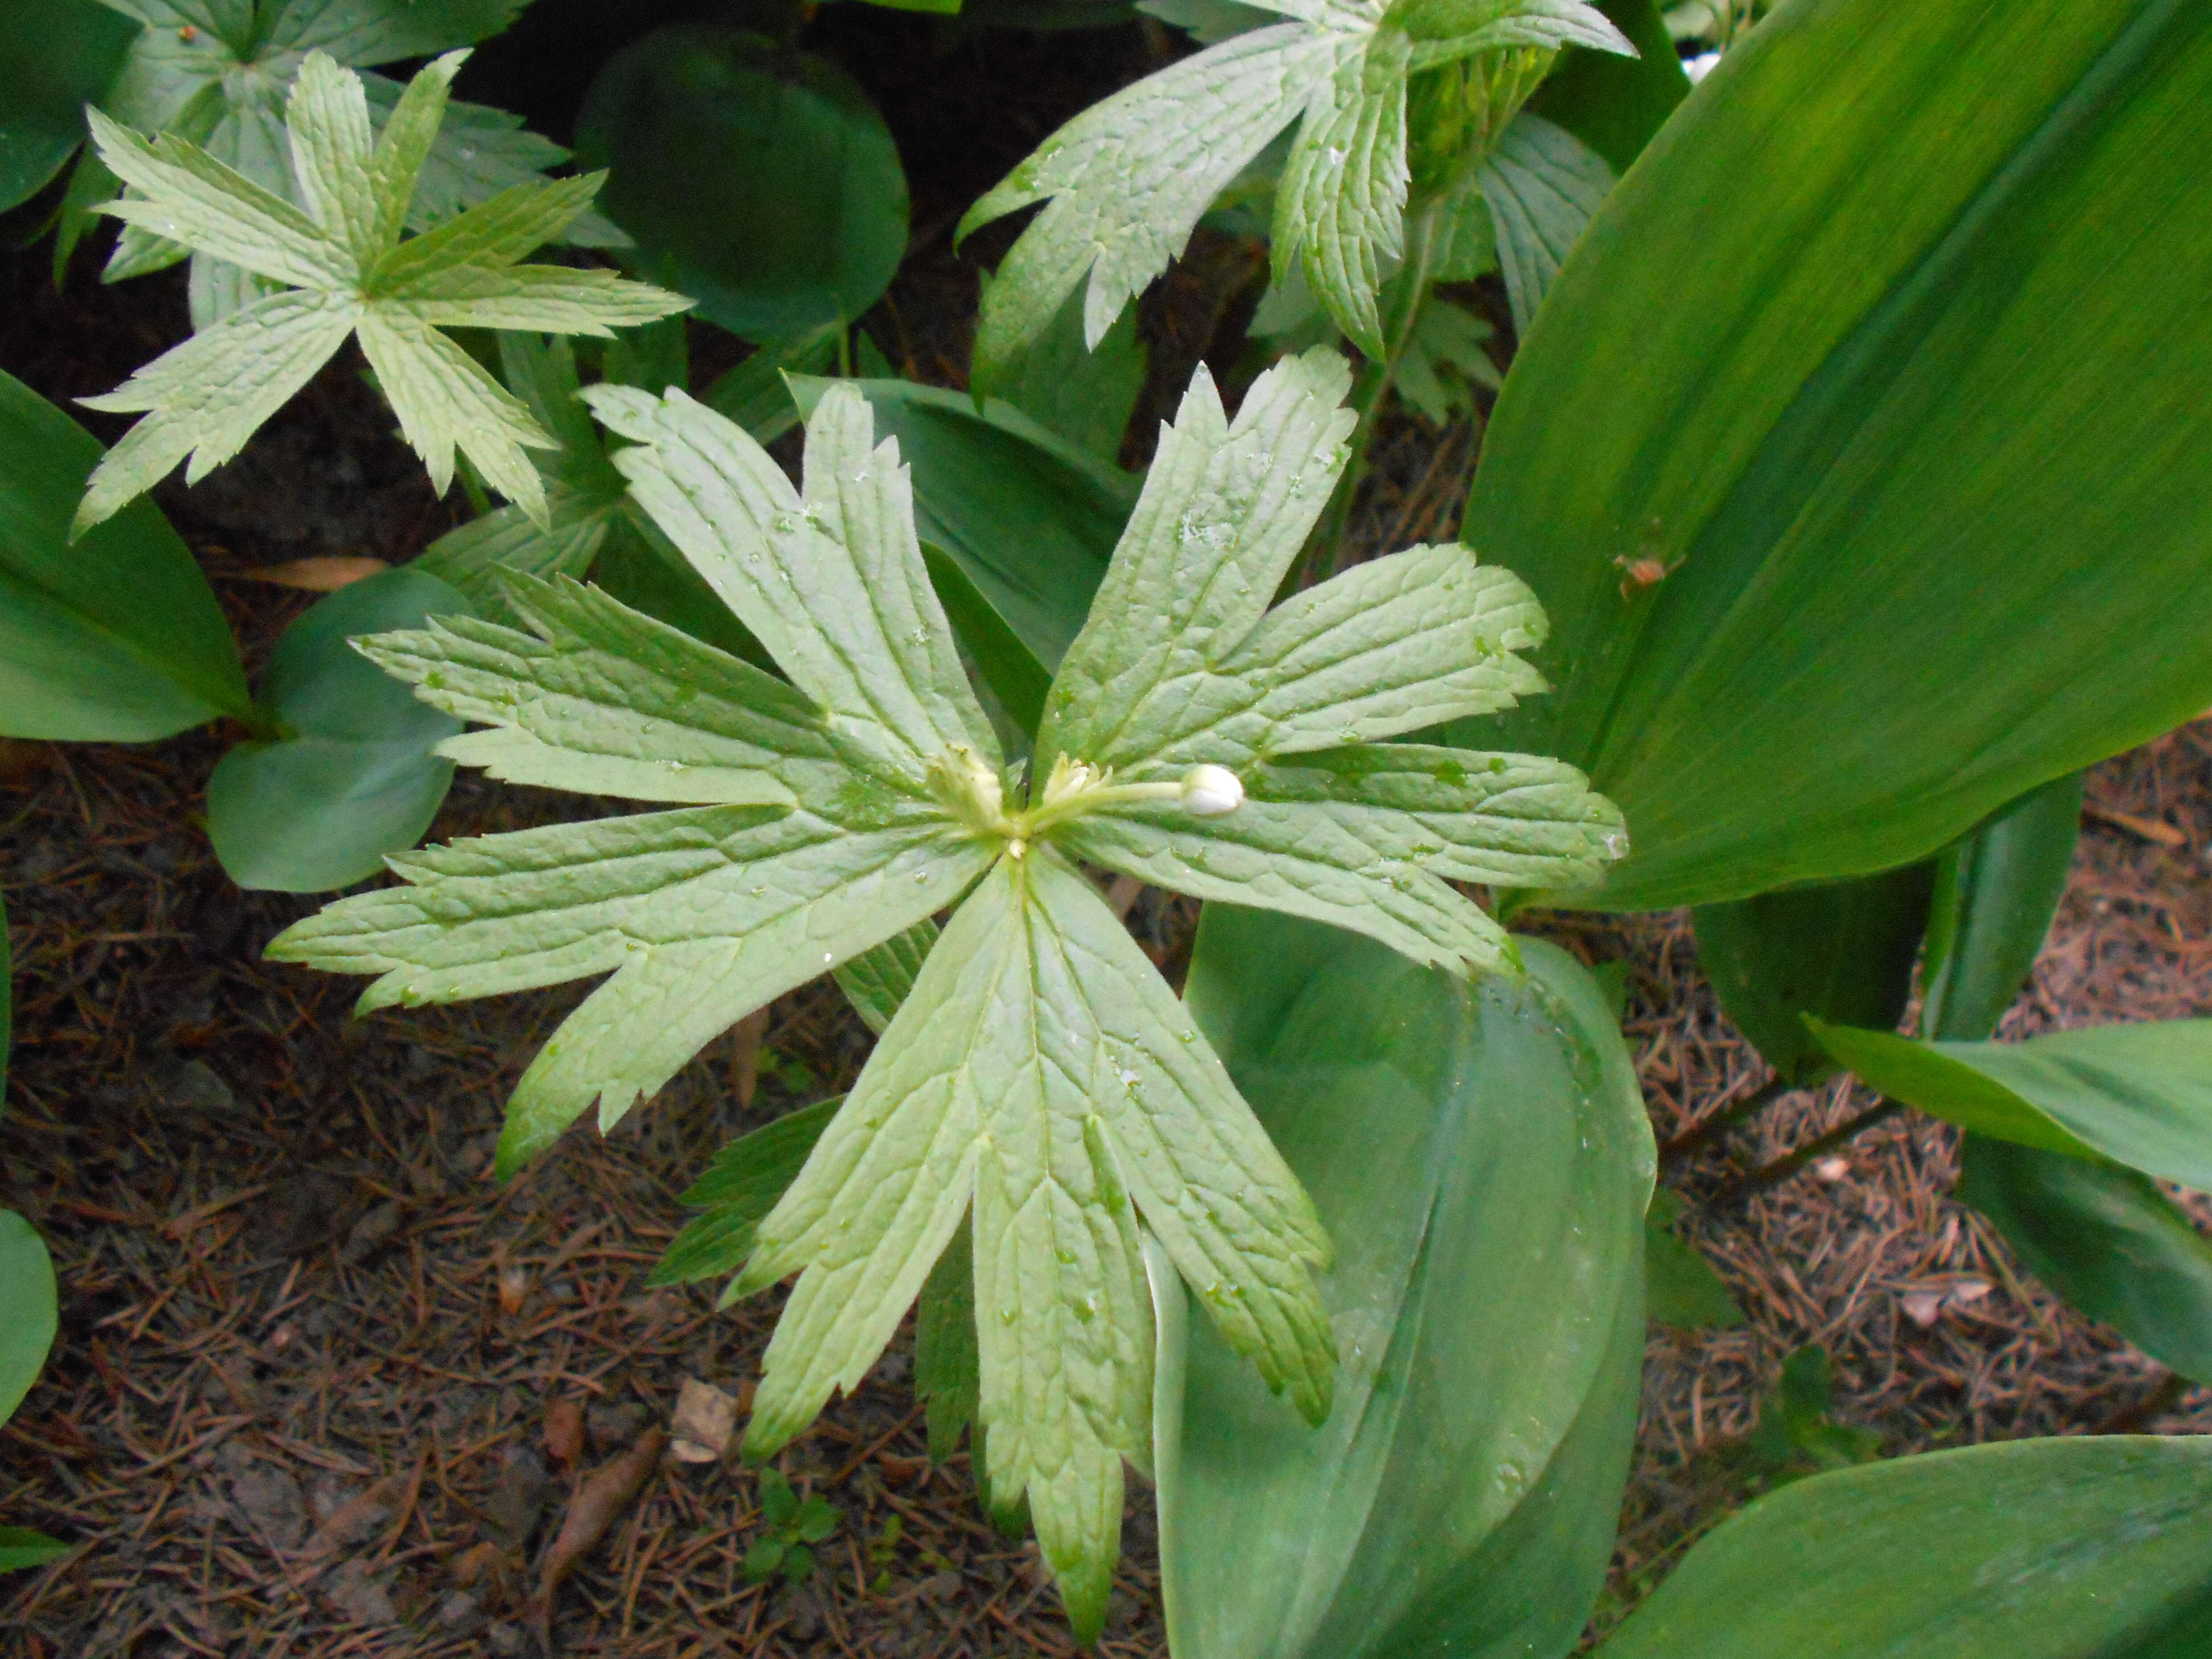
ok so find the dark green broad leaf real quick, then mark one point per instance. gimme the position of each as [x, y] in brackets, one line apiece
[26, 1308]
[1794, 1436]
[1028, 518]
[61, 56]
[758, 180]
[353, 775]
[1922, 557]
[2137, 1094]
[1680, 1286]
[117, 639]
[2097, 1548]
[2106, 1239]
[948, 1366]
[1086, 396]
[1996, 892]
[754, 394]
[1615, 104]
[1481, 1157]
[21, 1546]
[1841, 950]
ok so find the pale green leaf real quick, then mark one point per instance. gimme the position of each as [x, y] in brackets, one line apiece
[1305, 864]
[446, 399]
[599, 699]
[1391, 646]
[1505, 820]
[1042, 1065]
[1128, 178]
[1447, 30]
[876, 982]
[703, 914]
[545, 298]
[191, 197]
[1224, 510]
[327, 121]
[1543, 185]
[1341, 206]
[478, 152]
[1181, 661]
[473, 556]
[345, 255]
[207, 396]
[488, 238]
[832, 583]
[402, 148]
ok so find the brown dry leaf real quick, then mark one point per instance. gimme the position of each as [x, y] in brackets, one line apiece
[361, 1515]
[564, 1430]
[513, 1279]
[705, 1420]
[745, 1054]
[494, 1568]
[319, 575]
[602, 1496]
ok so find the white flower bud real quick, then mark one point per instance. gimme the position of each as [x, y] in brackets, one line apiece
[1209, 792]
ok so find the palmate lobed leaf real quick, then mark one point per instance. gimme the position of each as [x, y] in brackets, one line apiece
[1038, 1091]
[1126, 182]
[342, 268]
[218, 74]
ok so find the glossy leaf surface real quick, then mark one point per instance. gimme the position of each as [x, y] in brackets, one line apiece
[1843, 951]
[2096, 1549]
[2106, 1239]
[1615, 104]
[26, 1308]
[117, 639]
[1928, 560]
[21, 1546]
[1681, 1287]
[355, 774]
[764, 179]
[1483, 1158]
[2139, 1095]
[1996, 892]
[61, 55]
